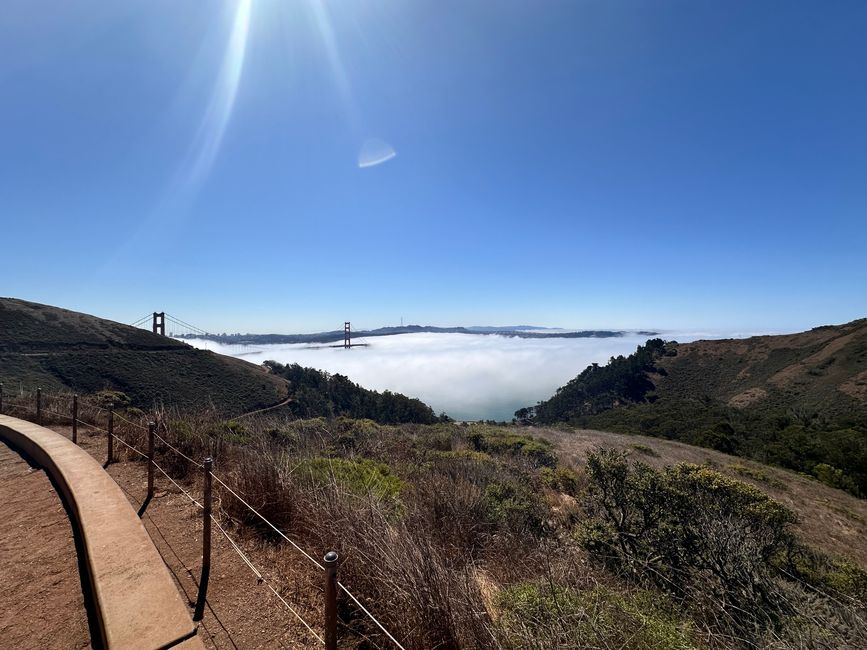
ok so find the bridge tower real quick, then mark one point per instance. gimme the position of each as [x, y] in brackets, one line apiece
[159, 324]
[347, 335]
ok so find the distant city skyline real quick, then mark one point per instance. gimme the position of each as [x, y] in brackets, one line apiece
[283, 167]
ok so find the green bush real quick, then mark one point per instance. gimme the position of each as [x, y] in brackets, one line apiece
[562, 479]
[835, 478]
[688, 529]
[761, 475]
[498, 441]
[548, 615]
[234, 432]
[837, 576]
[514, 506]
[362, 478]
[644, 449]
[105, 398]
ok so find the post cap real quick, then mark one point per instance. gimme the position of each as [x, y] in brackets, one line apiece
[331, 557]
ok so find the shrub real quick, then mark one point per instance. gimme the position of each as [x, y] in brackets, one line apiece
[644, 449]
[835, 478]
[549, 615]
[562, 479]
[761, 475]
[837, 576]
[361, 478]
[514, 506]
[104, 398]
[688, 529]
[497, 441]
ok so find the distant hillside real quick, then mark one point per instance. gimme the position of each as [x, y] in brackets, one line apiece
[797, 400]
[56, 349]
[336, 336]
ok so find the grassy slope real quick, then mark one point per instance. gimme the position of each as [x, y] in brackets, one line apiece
[59, 349]
[829, 519]
[822, 369]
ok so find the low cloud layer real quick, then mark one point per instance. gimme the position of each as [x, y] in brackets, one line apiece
[469, 377]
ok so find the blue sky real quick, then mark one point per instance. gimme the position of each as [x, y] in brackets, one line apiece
[579, 163]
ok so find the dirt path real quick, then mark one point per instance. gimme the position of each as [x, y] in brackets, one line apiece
[241, 612]
[41, 602]
[286, 401]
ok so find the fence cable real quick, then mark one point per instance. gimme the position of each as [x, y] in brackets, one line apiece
[177, 451]
[126, 444]
[311, 558]
[245, 503]
[130, 422]
[273, 527]
[369, 615]
[186, 494]
[262, 579]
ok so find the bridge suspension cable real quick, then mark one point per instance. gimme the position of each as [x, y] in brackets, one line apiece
[191, 328]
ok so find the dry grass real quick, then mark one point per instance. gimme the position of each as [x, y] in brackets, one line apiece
[460, 550]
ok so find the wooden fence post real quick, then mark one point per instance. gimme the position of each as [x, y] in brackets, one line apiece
[151, 427]
[206, 542]
[330, 600]
[110, 434]
[75, 419]
[39, 406]
[1, 397]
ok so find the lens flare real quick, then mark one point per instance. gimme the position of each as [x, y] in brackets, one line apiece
[375, 152]
[213, 127]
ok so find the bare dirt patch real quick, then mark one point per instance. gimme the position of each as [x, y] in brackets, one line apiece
[41, 601]
[749, 396]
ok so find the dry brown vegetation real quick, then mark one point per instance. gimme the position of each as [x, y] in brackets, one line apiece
[470, 536]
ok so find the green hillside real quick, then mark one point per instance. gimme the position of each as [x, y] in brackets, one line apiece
[58, 349]
[796, 400]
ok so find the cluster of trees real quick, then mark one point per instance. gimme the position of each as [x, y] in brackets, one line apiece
[316, 393]
[623, 380]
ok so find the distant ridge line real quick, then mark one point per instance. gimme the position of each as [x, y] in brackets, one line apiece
[522, 331]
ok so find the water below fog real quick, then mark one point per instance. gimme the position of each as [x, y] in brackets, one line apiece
[470, 377]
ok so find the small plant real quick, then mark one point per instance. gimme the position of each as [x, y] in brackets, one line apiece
[644, 449]
[497, 441]
[562, 479]
[514, 506]
[757, 474]
[550, 615]
[106, 398]
[359, 477]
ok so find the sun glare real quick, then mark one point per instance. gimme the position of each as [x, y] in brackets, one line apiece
[210, 134]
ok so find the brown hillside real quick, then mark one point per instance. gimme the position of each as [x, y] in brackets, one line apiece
[825, 368]
[58, 349]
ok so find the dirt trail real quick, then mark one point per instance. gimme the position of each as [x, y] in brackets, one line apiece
[241, 611]
[41, 602]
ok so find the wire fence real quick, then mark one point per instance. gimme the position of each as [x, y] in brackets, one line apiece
[38, 409]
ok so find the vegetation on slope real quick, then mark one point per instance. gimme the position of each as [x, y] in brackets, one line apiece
[791, 401]
[461, 536]
[55, 349]
[315, 393]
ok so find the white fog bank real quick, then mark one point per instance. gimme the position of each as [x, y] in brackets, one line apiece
[470, 377]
